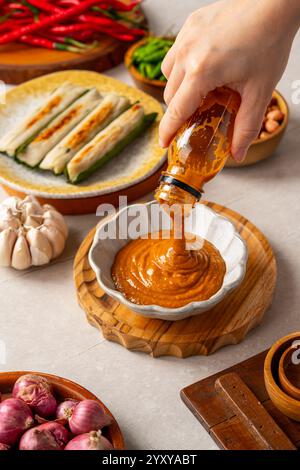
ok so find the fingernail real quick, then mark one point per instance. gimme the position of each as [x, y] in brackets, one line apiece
[162, 144]
[240, 155]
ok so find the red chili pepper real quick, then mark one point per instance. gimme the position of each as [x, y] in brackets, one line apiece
[84, 35]
[104, 21]
[71, 28]
[10, 25]
[17, 6]
[117, 5]
[46, 43]
[123, 37]
[47, 22]
[17, 10]
[45, 6]
[37, 41]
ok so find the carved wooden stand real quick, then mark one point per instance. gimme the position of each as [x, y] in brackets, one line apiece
[227, 323]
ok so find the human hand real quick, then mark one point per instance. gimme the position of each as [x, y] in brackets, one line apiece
[242, 45]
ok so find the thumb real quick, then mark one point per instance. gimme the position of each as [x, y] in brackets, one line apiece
[248, 122]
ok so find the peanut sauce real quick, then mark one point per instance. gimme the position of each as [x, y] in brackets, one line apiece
[168, 272]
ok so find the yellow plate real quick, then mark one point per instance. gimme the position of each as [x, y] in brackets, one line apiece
[137, 162]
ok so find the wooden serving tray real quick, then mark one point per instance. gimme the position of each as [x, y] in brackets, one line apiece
[226, 323]
[235, 409]
[21, 62]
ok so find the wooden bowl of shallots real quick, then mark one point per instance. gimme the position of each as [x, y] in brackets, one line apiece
[53, 413]
[273, 128]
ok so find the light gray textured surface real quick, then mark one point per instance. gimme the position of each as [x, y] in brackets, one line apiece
[44, 329]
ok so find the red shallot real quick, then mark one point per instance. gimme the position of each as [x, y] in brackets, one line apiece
[66, 408]
[89, 441]
[4, 447]
[47, 436]
[88, 416]
[36, 391]
[15, 418]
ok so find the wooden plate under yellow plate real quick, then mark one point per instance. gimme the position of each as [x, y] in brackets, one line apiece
[64, 389]
[134, 172]
[226, 323]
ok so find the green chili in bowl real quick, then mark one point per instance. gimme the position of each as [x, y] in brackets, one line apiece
[148, 57]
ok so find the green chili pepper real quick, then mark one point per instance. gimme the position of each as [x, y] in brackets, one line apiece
[148, 69]
[155, 57]
[142, 69]
[156, 71]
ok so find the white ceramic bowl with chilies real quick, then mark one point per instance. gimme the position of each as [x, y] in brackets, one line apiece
[115, 232]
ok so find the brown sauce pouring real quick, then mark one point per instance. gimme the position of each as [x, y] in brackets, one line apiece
[165, 270]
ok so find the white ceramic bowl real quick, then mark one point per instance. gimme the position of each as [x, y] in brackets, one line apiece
[203, 222]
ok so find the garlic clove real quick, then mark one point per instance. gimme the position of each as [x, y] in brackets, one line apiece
[7, 241]
[21, 258]
[56, 239]
[28, 210]
[48, 207]
[52, 217]
[8, 219]
[40, 247]
[30, 206]
[33, 221]
[31, 200]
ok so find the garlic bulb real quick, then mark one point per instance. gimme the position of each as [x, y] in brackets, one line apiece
[31, 234]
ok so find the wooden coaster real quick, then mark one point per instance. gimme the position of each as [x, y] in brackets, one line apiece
[234, 407]
[226, 323]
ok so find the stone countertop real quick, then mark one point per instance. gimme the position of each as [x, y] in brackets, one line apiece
[44, 329]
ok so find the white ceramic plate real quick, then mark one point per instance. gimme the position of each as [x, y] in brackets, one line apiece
[203, 222]
[136, 163]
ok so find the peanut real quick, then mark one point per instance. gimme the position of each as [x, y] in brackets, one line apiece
[271, 126]
[275, 115]
[264, 135]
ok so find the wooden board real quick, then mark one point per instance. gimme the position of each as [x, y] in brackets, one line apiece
[89, 205]
[235, 409]
[227, 323]
[19, 63]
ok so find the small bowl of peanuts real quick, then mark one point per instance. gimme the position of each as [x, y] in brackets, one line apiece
[272, 130]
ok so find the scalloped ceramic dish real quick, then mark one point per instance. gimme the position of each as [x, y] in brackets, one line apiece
[203, 222]
[137, 162]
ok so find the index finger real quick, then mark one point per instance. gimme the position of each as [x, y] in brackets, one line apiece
[181, 107]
